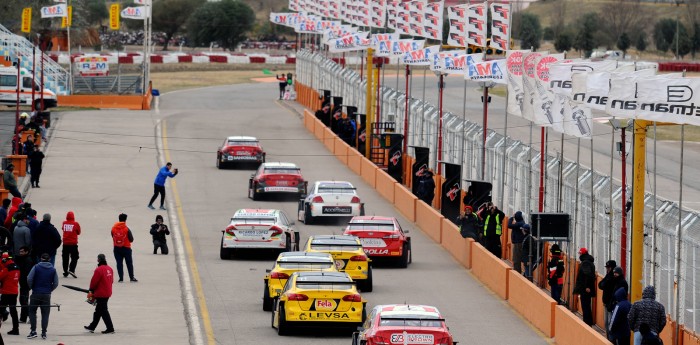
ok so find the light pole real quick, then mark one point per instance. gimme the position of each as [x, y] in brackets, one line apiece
[678, 19]
[622, 125]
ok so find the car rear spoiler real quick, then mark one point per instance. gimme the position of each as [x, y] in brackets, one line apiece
[305, 262]
[337, 244]
[309, 282]
[409, 318]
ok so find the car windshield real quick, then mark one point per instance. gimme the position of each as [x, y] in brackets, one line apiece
[337, 188]
[371, 226]
[410, 321]
[292, 171]
[242, 143]
[244, 220]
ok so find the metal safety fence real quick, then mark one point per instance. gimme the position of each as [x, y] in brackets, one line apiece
[590, 197]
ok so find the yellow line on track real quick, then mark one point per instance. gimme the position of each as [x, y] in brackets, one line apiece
[204, 311]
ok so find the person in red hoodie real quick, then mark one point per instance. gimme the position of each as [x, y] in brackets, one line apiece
[71, 231]
[15, 206]
[122, 238]
[101, 291]
[9, 278]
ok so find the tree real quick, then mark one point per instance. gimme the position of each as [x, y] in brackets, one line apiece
[548, 34]
[620, 16]
[93, 12]
[664, 33]
[696, 39]
[641, 44]
[563, 42]
[225, 22]
[584, 40]
[530, 31]
[684, 44]
[558, 15]
[624, 43]
[170, 15]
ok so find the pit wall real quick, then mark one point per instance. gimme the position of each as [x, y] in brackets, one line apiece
[532, 303]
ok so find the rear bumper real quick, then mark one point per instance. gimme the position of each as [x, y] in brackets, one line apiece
[240, 159]
[235, 244]
[311, 318]
[317, 210]
[274, 189]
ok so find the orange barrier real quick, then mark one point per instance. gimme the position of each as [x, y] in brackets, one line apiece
[328, 139]
[341, 150]
[570, 330]
[20, 163]
[452, 241]
[355, 161]
[369, 172]
[429, 220]
[531, 302]
[309, 122]
[668, 334]
[405, 202]
[490, 270]
[689, 338]
[385, 185]
[599, 316]
[135, 102]
[319, 129]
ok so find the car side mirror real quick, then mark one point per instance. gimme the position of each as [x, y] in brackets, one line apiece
[268, 270]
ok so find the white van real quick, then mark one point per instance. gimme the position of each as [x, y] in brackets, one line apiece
[8, 89]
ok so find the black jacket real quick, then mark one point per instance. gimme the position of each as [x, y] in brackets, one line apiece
[531, 244]
[586, 276]
[514, 224]
[468, 226]
[36, 158]
[426, 188]
[609, 285]
[45, 239]
[25, 265]
[159, 235]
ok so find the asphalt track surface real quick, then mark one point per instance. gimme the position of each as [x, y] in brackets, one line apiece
[194, 124]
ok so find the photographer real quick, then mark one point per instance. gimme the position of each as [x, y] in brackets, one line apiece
[159, 185]
[159, 231]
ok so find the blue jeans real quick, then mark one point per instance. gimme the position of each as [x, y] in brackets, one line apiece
[122, 254]
[41, 301]
[556, 292]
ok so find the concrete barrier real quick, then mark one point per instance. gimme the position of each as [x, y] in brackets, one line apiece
[385, 185]
[569, 329]
[135, 102]
[531, 302]
[369, 172]
[429, 220]
[405, 202]
[329, 139]
[341, 150]
[490, 270]
[355, 161]
[319, 129]
[309, 122]
[455, 244]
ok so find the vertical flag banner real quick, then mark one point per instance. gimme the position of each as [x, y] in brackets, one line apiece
[516, 92]
[476, 25]
[421, 57]
[114, 11]
[365, 17]
[500, 26]
[67, 21]
[543, 98]
[27, 19]
[489, 71]
[529, 87]
[402, 18]
[432, 21]
[55, 11]
[416, 13]
[457, 17]
[378, 13]
[392, 11]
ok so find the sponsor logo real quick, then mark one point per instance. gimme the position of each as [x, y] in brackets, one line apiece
[310, 316]
[433, 19]
[457, 24]
[455, 63]
[458, 11]
[337, 209]
[515, 63]
[476, 38]
[477, 23]
[688, 110]
[501, 26]
[499, 43]
[339, 264]
[398, 338]
[501, 10]
[325, 304]
[543, 67]
[678, 93]
[529, 64]
[418, 29]
[486, 70]
[395, 158]
[372, 251]
[432, 33]
[421, 170]
[452, 193]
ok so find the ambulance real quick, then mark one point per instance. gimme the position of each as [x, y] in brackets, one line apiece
[8, 89]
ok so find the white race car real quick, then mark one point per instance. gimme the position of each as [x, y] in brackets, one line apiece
[330, 199]
[259, 229]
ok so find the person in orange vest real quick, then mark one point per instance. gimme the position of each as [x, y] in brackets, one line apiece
[9, 280]
[122, 239]
[556, 272]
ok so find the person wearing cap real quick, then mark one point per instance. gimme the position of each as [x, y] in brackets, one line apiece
[101, 290]
[468, 223]
[46, 239]
[42, 280]
[70, 254]
[613, 280]
[556, 270]
[647, 311]
[9, 288]
[515, 225]
[159, 184]
[159, 231]
[585, 285]
[10, 181]
[122, 238]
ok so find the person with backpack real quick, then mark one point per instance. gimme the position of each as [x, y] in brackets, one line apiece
[159, 231]
[122, 239]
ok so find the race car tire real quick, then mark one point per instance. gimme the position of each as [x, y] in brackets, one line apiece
[218, 163]
[225, 254]
[364, 313]
[308, 218]
[267, 300]
[410, 253]
[256, 195]
[366, 285]
[288, 245]
[405, 255]
[282, 327]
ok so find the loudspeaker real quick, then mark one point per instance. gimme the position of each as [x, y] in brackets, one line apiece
[550, 226]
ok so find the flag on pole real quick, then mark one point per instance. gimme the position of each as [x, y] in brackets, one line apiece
[55, 11]
[457, 17]
[543, 98]
[400, 47]
[516, 92]
[138, 12]
[27, 19]
[382, 43]
[114, 10]
[416, 13]
[476, 25]
[67, 21]
[421, 57]
[500, 26]
[432, 20]
[495, 71]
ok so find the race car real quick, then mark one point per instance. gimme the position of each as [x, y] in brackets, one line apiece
[323, 299]
[348, 255]
[288, 263]
[276, 178]
[403, 324]
[330, 199]
[239, 149]
[258, 229]
[381, 237]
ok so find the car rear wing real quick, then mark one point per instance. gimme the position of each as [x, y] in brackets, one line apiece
[309, 282]
[335, 188]
[329, 285]
[401, 318]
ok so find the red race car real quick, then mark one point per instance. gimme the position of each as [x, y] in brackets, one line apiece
[382, 237]
[403, 324]
[277, 178]
[239, 149]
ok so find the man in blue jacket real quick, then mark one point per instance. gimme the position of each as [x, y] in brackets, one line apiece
[42, 280]
[619, 331]
[159, 185]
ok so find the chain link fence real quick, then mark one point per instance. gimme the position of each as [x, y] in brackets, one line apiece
[591, 198]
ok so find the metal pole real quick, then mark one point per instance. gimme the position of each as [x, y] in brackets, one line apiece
[19, 85]
[529, 174]
[679, 245]
[70, 62]
[637, 271]
[654, 276]
[405, 120]
[505, 149]
[592, 198]
[576, 192]
[485, 130]
[611, 213]
[441, 89]
[623, 230]
[378, 96]
[464, 124]
[543, 155]
[42, 79]
[368, 103]
[561, 174]
[33, 77]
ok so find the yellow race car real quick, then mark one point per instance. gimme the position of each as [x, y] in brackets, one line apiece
[288, 263]
[321, 299]
[348, 255]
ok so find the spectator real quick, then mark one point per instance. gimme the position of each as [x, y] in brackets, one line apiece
[515, 225]
[42, 280]
[46, 239]
[24, 263]
[426, 187]
[16, 201]
[493, 220]
[33, 224]
[648, 337]
[323, 114]
[101, 291]
[556, 272]
[531, 250]
[159, 185]
[9, 288]
[468, 223]
[282, 79]
[585, 284]
[4, 209]
[22, 236]
[607, 286]
[647, 311]
[8, 177]
[28, 147]
[70, 254]
[36, 160]
[347, 130]
[159, 231]
[122, 238]
[619, 329]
